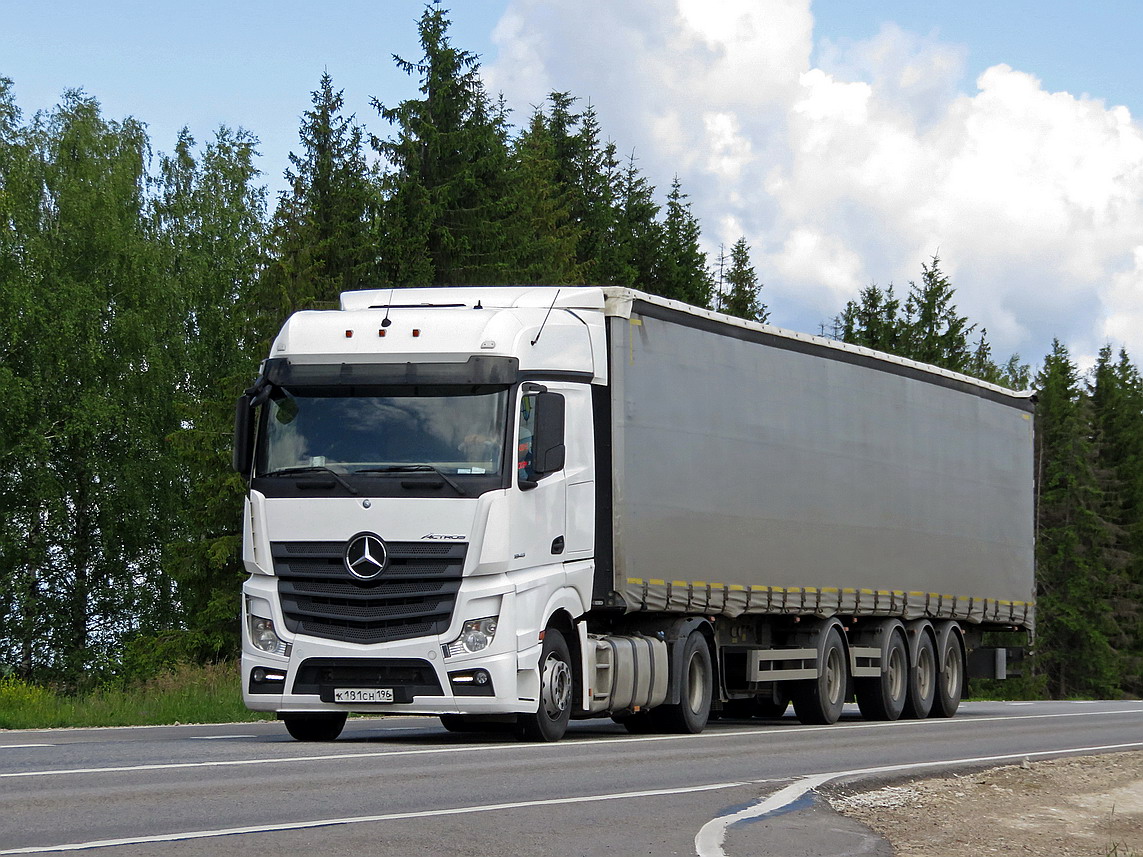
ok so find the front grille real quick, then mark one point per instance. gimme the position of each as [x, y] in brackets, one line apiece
[413, 597]
[407, 677]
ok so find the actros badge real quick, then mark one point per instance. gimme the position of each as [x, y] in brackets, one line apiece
[366, 556]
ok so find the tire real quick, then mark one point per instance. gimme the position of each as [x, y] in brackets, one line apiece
[557, 686]
[315, 727]
[696, 685]
[922, 680]
[819, 700]
[950, 681]
[883, 698]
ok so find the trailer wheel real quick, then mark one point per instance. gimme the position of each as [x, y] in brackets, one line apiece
[325, 726]
[922, 680]
[819, 700]
[557, 681]
[883, 698]
[950, 682]
[697, 681]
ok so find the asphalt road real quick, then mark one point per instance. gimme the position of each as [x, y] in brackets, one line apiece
[404, 786]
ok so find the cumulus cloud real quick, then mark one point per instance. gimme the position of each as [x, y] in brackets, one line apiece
[860, 165]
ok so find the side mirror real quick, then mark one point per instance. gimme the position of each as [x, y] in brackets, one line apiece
[548, 450]
[243, 454]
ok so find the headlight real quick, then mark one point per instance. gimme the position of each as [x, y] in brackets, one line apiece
[475, 636]
[265, 638]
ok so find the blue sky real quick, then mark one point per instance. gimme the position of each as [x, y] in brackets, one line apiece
[848, 140]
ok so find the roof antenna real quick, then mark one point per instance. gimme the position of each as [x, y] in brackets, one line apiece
[545, 321]
[386, 321]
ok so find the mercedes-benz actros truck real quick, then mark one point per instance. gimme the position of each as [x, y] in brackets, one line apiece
[519, 506]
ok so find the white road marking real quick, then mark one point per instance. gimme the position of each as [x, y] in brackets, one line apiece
[22, 746]
[365, 819]
[709, 839]
[218, 737]
[595, 741]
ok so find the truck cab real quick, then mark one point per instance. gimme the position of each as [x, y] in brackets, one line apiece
[421, 504]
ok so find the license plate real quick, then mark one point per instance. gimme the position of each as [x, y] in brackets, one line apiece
[363, 694]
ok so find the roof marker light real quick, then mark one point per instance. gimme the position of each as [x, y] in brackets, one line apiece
[416, 331]
[381, 332]
[349, 334]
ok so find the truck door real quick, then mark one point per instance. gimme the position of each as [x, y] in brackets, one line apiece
[540, 491]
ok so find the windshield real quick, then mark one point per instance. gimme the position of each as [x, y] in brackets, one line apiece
[455, 431]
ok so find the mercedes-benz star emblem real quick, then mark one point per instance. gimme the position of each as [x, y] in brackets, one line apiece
[366, 556]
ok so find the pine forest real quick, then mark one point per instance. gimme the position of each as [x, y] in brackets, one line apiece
[139, 290]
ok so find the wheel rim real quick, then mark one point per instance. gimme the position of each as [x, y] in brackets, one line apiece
[896, 673]
[696, 683]
[951, 673]
[834, 680]
[556, 690]
[925, 672]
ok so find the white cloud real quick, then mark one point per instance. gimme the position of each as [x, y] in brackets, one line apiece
[863, 167]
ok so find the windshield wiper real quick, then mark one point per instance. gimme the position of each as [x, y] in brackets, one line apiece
[295, 471]
[415, 468]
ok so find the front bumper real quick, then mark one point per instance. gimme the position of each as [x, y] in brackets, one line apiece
[414, 673]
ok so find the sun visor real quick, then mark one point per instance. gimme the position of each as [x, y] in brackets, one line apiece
[476, 370]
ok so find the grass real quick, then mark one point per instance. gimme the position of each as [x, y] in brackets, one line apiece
[185, 694]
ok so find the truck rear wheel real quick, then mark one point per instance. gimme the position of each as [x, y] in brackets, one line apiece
[922, 680]
[820, 700]
[324, 726]
[950, 682]
[883, 698]
[696, 679]
[556, 684]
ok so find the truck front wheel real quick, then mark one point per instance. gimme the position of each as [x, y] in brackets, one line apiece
[556, 685]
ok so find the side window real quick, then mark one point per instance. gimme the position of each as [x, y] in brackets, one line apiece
[524, 445]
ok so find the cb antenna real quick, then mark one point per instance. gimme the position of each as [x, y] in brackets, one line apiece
[386, 321]
[545, 321]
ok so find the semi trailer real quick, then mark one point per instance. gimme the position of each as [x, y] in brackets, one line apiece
[511, 507]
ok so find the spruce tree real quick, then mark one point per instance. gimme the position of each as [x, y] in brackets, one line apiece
[742, 297]
[935, 332]
[543, 234]
[324, 238]
[638, 233]
[681, 272]
[445, 197]
[598, 177]
[873, 321]
[1074, 653]
[1116, 393]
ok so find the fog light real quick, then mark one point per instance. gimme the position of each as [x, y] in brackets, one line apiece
[471, 683]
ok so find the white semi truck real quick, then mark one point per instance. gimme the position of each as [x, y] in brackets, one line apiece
[522, 505]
